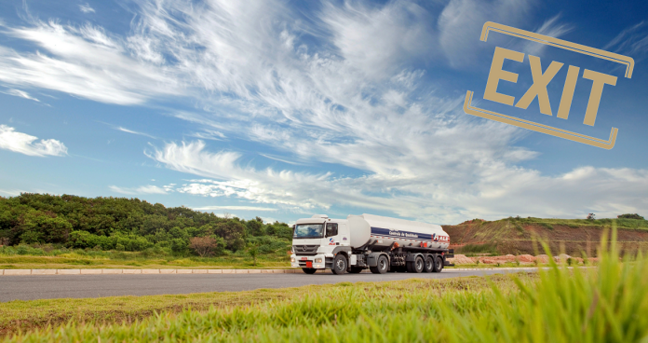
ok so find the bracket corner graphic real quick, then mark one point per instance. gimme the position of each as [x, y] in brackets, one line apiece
[626, 61]
[546, 129]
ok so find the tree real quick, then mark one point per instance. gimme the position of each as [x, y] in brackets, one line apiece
[255, 227]
[233, 232]
[630, 216]
[254, 251]
[591, 216]
[203, 246]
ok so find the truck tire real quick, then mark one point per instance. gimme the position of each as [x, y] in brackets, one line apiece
[382, 267]
[355, 270]
[438, 264]
[309, 270]
[339, 265]
[429, 264]
[416, 266]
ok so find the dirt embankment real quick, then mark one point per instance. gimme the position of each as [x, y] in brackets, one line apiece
[504, 237]
[522, 260]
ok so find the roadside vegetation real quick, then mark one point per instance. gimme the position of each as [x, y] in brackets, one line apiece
[42, 230]
[596, 304]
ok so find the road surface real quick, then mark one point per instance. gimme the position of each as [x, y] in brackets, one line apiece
[31, 287]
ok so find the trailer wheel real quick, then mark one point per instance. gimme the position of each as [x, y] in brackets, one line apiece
[355, 270]
[339, 265]
[382, 267]
[429, 264]
[438, 264]
[309, 270]
[416, 266]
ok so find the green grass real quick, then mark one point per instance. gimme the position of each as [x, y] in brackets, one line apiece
[25, 315]
[472, 249]
[58, 262]
[606, 303]
[621, 223]
[9, 259]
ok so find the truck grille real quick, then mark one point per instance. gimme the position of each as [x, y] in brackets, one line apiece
[305, 249]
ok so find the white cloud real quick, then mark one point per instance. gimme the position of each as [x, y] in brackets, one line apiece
[495, 191]
[10, 192]
[209, 134]
[235, 208]
[148, 189]
[19, 93]
[632, 41]
[123, 129]
[26, 144]
[85, 62]
[552, 27]
[85, 8]
[379, 40]
[461, 22]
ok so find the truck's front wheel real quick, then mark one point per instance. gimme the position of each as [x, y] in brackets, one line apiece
[339, 265]
[382, 267]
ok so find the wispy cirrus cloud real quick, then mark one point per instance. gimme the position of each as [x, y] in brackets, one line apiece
[86, 8]
[632, 41]
[83, 61]
[19, 93]
[148, 189]
[23, 143]
[235, 208]
[496, 190]
[123, 129]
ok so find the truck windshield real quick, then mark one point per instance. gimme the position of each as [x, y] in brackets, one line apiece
[309, 231]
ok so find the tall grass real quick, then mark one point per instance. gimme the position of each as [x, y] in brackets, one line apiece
[606, 303]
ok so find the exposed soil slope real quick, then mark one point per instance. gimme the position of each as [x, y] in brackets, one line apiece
[516, 236]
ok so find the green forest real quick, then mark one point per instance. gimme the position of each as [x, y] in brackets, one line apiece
[33, 222]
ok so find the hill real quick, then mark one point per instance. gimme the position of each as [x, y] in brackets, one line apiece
[572, 236]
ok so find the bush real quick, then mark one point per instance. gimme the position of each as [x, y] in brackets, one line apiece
[203, 246]
[630, 216]
[547, 226]
[487, 248]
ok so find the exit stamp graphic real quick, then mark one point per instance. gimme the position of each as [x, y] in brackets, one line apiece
[543, 72]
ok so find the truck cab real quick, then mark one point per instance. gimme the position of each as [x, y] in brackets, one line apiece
[317, 240]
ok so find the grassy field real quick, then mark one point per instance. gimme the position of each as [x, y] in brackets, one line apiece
[606, 303]
[25, 315]
[32, 258]
[57, 262]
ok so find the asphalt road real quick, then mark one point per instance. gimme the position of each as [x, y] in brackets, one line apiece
[31, 287]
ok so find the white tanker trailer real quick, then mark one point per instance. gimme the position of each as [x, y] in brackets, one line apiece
[381, 244]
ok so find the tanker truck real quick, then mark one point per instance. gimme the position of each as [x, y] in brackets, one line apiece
[358, 242]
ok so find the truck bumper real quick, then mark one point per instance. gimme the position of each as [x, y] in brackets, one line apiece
[318, 261]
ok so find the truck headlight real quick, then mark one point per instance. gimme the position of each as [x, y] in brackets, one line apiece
[292, 259]
[318, 260]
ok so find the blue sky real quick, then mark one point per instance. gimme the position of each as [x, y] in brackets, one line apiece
[283, 109]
